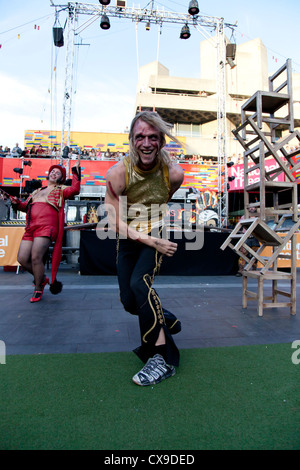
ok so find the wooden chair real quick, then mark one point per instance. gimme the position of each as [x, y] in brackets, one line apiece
[259, 150]
[265, 235]
[274, 276]
[264, 106]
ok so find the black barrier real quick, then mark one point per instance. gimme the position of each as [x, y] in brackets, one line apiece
[98, 257]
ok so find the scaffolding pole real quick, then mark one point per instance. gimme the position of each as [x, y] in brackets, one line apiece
[68, 89]
[221, 127]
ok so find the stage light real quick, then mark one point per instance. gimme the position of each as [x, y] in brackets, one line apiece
[27, 162]
[193, 8]
[58, 36]
[230, 54]
[148, 26]
[231, 178]
[185, 32]
[229, 164]
[18, 170]
[104, 2]
[120, 4]
[104, 23]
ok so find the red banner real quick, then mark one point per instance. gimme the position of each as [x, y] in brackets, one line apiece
[93, 172]
[202, 177]
[254, 177]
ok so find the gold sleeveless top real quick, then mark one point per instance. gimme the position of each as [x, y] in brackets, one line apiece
[147, 194]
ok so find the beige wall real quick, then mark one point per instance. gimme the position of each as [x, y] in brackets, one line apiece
[249, 75]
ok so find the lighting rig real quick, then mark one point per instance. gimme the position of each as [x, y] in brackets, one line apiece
[104, 11]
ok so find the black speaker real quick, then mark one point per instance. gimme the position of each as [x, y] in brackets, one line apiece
[58, 36]
[230, 51]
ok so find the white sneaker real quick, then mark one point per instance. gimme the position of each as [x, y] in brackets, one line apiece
[154, 371]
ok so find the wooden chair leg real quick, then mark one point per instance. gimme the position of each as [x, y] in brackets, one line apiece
[244, 291]
[260, 296]
[274, 291]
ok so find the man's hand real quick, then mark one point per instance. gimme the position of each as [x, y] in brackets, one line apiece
[14, 200]
[165, 246]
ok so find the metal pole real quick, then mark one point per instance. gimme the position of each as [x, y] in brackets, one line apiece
[221, 126]
[68, 90]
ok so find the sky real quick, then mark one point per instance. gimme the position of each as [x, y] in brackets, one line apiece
[106, 63]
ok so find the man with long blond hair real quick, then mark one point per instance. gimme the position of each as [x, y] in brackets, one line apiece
[138, 189]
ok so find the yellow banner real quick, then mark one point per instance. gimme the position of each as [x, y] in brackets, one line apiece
[10, 238]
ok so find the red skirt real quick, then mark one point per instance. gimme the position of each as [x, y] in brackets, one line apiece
[41, 221]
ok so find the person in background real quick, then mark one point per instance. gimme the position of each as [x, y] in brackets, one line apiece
[16, 151]
[44, 225]
[32, 151]
[40, 151]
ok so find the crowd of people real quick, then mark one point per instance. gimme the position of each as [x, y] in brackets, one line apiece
[38, 151]
[92, 154]
[97, 154]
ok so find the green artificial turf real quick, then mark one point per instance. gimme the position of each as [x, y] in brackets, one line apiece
[220, 398]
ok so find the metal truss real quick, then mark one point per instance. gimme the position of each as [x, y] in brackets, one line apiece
[68, 90]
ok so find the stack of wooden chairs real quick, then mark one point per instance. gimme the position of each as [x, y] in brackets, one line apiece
[268, 197]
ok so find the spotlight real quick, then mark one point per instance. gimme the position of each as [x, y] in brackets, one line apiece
[104, 2]
[18, 170]
[231, 178]
[27, 162]
[148, 26]
[121, 4]
[185, 32]
[58, 36]
[229, 164]
[104, 23]
[230, 54]
[193, 8]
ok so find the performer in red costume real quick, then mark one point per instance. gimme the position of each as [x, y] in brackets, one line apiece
[44, 225]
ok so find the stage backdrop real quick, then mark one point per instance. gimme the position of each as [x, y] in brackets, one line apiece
[99, 257]
[93, 172]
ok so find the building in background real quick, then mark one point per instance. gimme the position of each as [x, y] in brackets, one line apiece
[191, 104]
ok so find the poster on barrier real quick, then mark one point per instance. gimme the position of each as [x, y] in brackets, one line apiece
[10, 238]
[283, 262]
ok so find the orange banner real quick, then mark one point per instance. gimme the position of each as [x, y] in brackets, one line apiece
[282, 262]
[10, 238]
